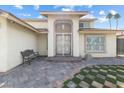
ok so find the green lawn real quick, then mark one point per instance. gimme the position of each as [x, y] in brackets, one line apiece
[97, 76]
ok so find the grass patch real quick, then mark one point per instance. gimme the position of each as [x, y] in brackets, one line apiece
[65, 83]
[103, 73]
[99, 80]
[84, 71]
[104, 67]
[120, 79]
[89, 81]
[111, 80]
[120, 72]
[76, 80]
[120, 67]
[112, 67]
[112, 73]
[95, 73]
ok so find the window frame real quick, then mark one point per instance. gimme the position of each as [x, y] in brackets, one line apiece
[85, 24]
[91, 51]
[81, 23]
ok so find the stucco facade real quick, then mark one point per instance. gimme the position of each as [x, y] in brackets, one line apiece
[3, 44]
[110, 46]
[43, 36]
[51, 33]
[19, 39]
[14, 39]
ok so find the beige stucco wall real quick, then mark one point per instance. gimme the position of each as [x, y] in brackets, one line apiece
[51, 33]
[19, 38]
[110, 46]
[38, 24]
[43, 44]
[3, 44]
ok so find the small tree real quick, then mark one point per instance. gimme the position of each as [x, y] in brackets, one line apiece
[117, 17]
[109, 16]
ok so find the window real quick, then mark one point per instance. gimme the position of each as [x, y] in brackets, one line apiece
[95, 43]
[84, 25]
[81, 25]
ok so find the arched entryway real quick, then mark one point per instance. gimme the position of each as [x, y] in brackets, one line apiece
[63, 32]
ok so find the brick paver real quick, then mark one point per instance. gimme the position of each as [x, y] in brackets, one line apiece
[97, 84]
[84, 84]
[42, 73]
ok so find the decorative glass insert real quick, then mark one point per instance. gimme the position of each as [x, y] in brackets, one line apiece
[95, 43]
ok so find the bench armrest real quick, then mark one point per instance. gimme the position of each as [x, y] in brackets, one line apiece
[36, 52]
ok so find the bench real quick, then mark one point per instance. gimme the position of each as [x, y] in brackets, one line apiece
[28, 55]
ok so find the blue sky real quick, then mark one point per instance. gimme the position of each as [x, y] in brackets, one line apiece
[97, 11]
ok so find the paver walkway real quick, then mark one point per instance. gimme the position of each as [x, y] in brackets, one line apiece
[49, 74]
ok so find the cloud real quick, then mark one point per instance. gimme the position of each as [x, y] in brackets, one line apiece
[89, 16]
[36, 7]
[41, 17]
[92, 12]
[102, 19]
[19, 7]
[25, 14]
[64, 6]
[113, 12]
[67, 9]
[89, 6]
[101, 12]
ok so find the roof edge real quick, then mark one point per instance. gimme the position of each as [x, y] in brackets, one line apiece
[16, 19]
[46, 13]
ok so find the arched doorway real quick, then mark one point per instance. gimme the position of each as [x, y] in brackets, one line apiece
[63, 30]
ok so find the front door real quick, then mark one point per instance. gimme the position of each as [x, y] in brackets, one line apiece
[63, 38]
[63, 44]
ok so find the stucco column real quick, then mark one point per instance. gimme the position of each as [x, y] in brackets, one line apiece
[75, 37]
[50, 37]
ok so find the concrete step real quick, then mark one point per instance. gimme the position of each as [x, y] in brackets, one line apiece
[64, 59]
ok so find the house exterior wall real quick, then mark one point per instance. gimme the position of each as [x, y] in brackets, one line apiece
[43, 44]
[3, 44]
[75, 36]
[19, 39]
[51, 36]
[38, 24]
[51, 33]
[15, 38]
[110, 46]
